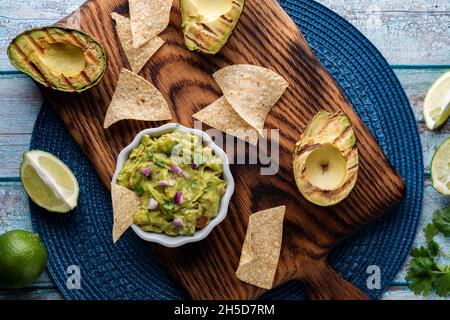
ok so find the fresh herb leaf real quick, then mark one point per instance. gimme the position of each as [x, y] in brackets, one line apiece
[430, 231]
[441, 219]
[151, 156]
[160, 163]
[424, 273]
[442, 283]
[139, 190]
[420, 252]
[168, 206]
[421, 275]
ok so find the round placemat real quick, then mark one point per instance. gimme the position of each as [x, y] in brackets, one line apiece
[127, 271]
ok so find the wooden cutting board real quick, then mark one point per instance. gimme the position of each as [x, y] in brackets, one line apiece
[265, 36]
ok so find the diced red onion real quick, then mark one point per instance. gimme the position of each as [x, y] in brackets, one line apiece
[178, 223]
[195, 166]
[146, 171]
[152, 204]
[176, 169]
[179, 197]
[165, 183]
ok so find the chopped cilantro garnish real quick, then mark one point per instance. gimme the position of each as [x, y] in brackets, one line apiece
[151, 156]
[424, 272]
[139, 189]
[160, 163]
[168, 206]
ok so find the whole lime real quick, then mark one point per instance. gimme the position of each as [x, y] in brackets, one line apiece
[22, 258]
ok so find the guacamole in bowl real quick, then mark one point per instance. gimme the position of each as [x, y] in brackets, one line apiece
[179, 180]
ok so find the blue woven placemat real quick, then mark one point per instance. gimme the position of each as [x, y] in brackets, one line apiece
[127, 271]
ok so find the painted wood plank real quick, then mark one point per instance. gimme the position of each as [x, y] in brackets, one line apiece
[14, 209]
[20, 101]
[406, 31]
[31, 294]
[403, 293]
[13, 145]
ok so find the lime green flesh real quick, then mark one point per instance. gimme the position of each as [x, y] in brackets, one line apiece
[326, 167]
[49, 182]
[436, 108]
[440, 168]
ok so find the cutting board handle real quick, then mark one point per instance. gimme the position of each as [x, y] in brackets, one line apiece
[323, 283]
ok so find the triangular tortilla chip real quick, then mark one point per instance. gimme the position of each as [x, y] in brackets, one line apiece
[137, 57]
[125, 203]
[148, 19]
[261, 249]
[251, 90]
[220, 115]
[136, 98]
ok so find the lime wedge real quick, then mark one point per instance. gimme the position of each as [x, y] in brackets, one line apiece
[440, 168]
[436, 107]
[48, 181]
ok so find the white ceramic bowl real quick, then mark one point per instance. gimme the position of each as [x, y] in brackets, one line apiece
[163, 239]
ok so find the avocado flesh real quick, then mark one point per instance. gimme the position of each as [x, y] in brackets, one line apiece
[326, 159]
[63, 59]
[207, 25]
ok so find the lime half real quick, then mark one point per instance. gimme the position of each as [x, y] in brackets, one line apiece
[49, 182]
[436, 107]
[440, 168]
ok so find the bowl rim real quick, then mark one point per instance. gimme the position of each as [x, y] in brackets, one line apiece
[165, 240]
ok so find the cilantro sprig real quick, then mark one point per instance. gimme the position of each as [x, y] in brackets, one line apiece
[425, 274]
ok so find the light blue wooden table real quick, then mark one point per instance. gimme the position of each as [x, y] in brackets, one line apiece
[414, 36]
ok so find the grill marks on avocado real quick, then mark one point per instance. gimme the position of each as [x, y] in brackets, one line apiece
[208, 34]
[63, 59]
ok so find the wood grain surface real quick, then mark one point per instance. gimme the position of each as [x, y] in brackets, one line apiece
[20, 100]
[206, 269]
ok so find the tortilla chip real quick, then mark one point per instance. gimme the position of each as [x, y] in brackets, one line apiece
[251, 90]
[148, 19]
[221, 115]
[261, 249]
[136, 98]
[137, 57]
[125, 203]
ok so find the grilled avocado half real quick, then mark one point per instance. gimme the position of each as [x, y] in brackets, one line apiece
[60, 58]
[207, 25]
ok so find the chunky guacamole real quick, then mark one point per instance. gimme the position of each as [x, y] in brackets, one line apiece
[179, 182]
